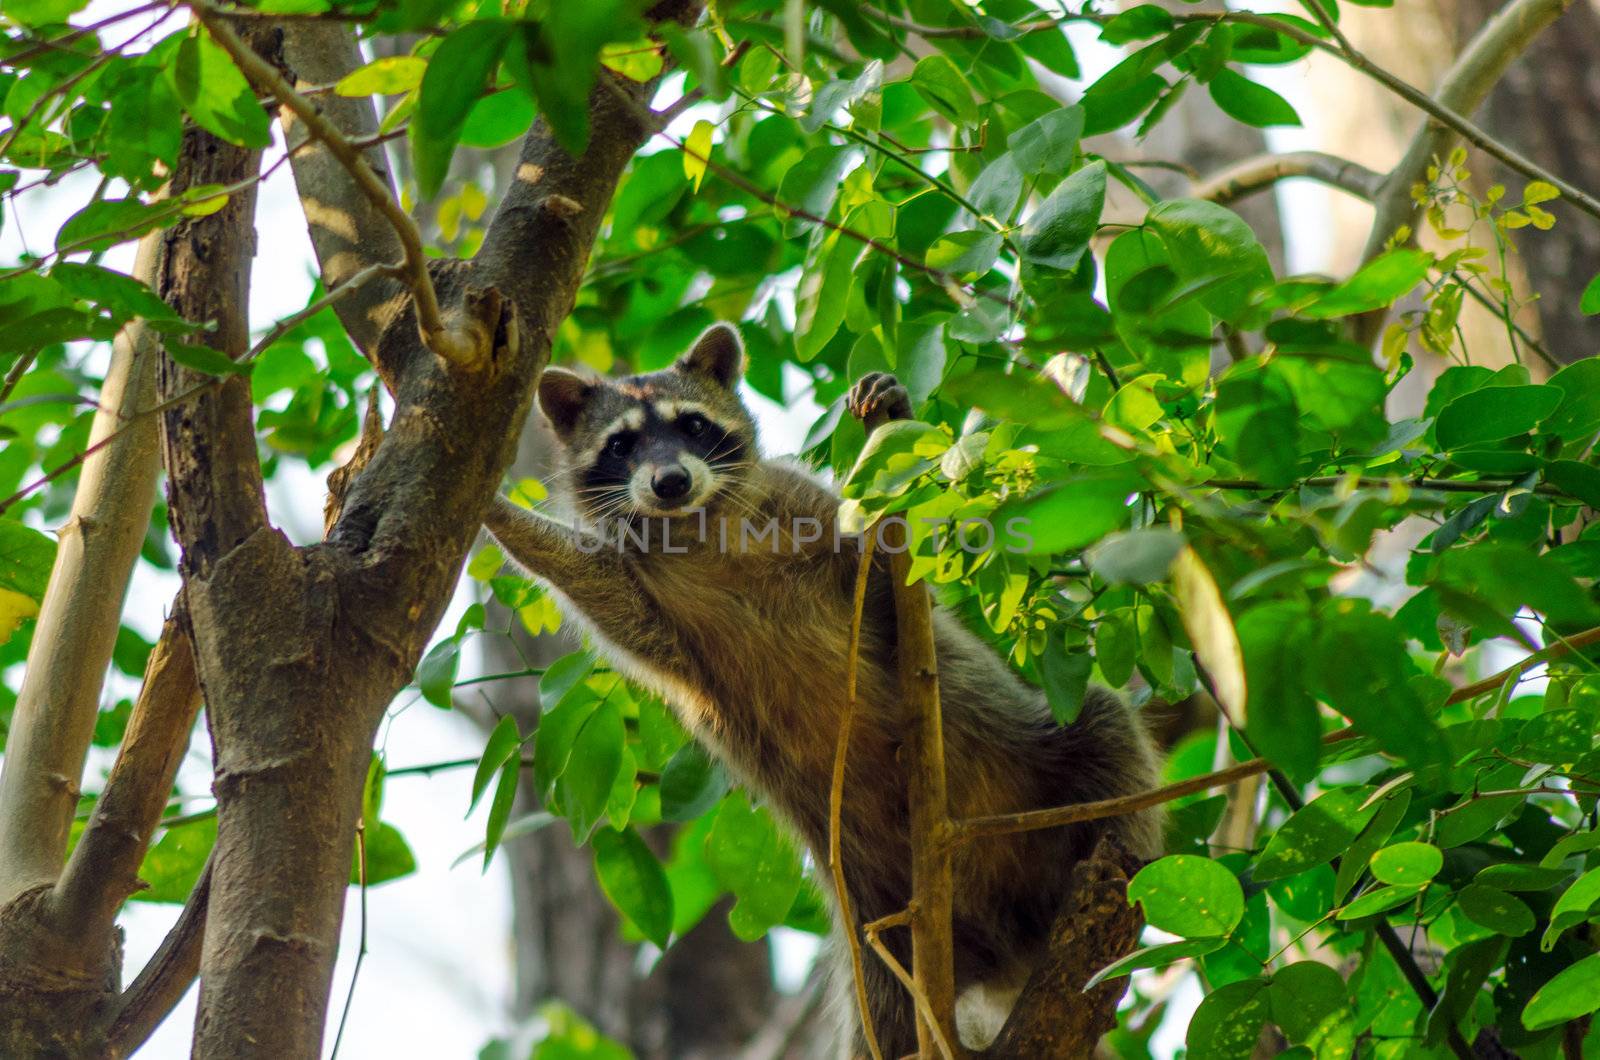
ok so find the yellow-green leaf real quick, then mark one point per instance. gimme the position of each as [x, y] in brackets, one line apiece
[1210, 628]
[697, 151]
[388, 76]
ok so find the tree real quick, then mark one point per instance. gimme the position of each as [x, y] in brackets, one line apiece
[1199, 448]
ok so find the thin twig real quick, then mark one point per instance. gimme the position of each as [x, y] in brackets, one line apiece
[919, 997]
[847, 917]
[1438, 485]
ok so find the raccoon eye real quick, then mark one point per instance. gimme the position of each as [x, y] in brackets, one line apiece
[694, 424]
[619, 446]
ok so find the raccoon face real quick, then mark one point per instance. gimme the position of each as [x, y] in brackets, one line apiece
[660, 444]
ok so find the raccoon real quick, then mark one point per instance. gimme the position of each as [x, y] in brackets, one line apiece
[725, 587]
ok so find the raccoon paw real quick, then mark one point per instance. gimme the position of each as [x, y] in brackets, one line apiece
[878, 397]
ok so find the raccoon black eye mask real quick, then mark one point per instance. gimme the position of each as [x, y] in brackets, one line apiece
[748, 644]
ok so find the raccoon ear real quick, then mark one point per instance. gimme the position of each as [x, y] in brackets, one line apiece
[562, 396]
[717, 353]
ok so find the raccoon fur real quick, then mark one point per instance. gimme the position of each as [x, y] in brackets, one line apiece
[746, 636]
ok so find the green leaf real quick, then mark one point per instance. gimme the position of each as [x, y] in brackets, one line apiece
[1137, 557]
[1258, 421]
[1074, 513]
[123, 295]
[1469, 967]
[497, 119]
[505, 794]
[1307, 896]
[43, 12]
[1047, 144]
[1211, 244]
[824, 288]
[941, 83]
[106, 222]
[1573, 907]
[1281, 716]
[812, 184]
[1065, 676]
[633, 879]
[1496, 910]
[998, 190]
[1381, 282]
[755, 861]
[26, 556]
[205, 359]
[1377, 696]
[562, 676]
[691, 783]
[1316, 834]
[1137, 23]
[1379, 900]
[1228, 1022]
[1493, 413]
[436, 673]
[586, 783]
[216, 94]
[1589, 302]
[388, 76]
[1572, 993]
[1156, 957]
[1306, 997]
[1189, 896]
[1116, 647]
[172, 865]
[1578, 415]
[968, 255]
[504, 741]
[457, 75]
[1250, 101]
[389, 857]
[1407, 863]
[1057, 233]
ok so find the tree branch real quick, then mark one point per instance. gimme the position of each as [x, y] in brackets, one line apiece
[449, 343]
[1054, 1017]
[349, 232]
[1262, 172]
[53, 720]
[214, 485]
[103, 869]
[162, 982]
[932, 879]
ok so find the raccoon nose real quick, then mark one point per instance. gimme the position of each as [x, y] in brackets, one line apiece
[671, 483]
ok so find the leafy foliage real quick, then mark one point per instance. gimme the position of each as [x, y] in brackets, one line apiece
[1192, 461]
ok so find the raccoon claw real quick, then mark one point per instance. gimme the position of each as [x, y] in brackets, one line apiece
[877, 398]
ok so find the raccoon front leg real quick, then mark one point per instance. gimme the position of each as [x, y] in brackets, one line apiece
[598, 582]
